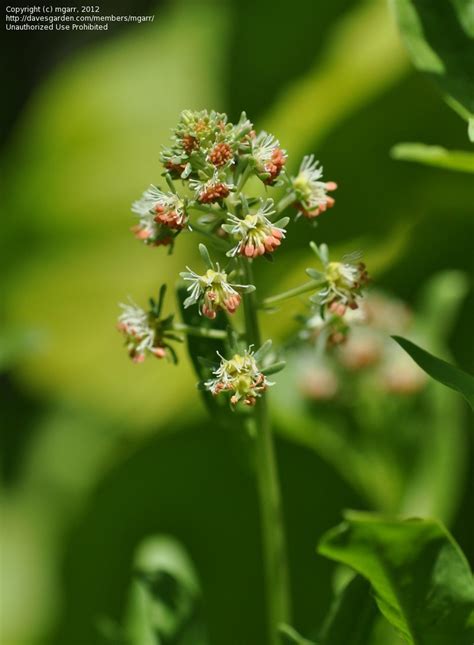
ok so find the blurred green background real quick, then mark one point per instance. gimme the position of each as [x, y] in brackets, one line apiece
[98, 453]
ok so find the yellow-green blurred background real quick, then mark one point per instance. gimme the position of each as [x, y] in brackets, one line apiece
[97, 452]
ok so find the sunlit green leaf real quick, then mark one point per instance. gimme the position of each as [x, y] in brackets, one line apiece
[421, 579]
[440, 370]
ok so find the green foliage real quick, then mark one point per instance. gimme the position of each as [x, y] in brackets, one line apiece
[422, 581]
[437, 156]
[289, 636]
[440, 39]
[440, 370]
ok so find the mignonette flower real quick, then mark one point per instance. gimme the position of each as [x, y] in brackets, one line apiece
[161, 216]
[312, 197]
[212, 291]
[146, 332]
[140, 333]
[241, 376]
[342, 283]
[268, 156]
[255, 234]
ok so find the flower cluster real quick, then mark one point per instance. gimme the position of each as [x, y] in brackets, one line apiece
[311, 193]
[203, 141]
[241, 376]
[367, 352]
[145, 332]
[212, 292]
[255, 234]
[140, 333]
[341, 283]
[161, 216]
[268, 157]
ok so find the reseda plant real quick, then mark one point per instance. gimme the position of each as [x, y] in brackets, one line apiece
[206, 173]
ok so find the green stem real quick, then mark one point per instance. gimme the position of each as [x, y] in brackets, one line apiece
[285, 202]
[243, 178]
[273, 534]
[199, 331]
[312, 285]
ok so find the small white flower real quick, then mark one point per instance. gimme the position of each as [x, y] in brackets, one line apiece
[212, 290]
[156, 207]
[311, 192]
[268, 156]
[140, 334]
[343, 285]
[255, 233]
[239, 375]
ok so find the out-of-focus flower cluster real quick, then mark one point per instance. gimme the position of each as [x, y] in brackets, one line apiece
[145, 332]
[367, 352]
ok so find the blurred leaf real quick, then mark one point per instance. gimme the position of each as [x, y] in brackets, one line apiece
[15, 344]
[440, 370]
[351, 616]
[440, 39]
[422, 581]
[164, 596]
[139, 622]
[435, 156]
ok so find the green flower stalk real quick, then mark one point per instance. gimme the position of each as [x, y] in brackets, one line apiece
[206, 171]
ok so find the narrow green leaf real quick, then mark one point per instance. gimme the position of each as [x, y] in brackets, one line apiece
[321, 251]
[281, 223]
[421, 579]
[273, 369]
[352, 615]
[160, 301]
[263, 350]
[439, 37]
[440, 370]
[206, 258]
[459, 160]
[315, 275]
